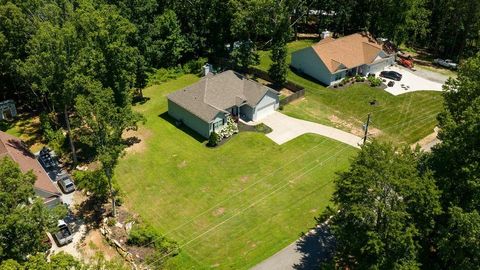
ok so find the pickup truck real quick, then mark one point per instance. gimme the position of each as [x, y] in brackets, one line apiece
[445, 63]
[64, 234]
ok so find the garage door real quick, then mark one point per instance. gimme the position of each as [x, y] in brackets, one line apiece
[264, 111]
[377, 67]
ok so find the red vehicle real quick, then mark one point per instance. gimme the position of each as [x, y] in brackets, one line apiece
[405, 60]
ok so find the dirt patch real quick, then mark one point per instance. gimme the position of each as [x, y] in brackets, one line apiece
[286, 92]
[218, 212]
[428, 142]
[296, 101]
[182, 164]
[94, 243]
[136, 139]
[353, 126]
[244, 179]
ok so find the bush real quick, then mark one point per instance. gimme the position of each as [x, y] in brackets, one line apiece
[195, 66]
[162, 75]
[214, 139]
[229, 129]
[374, 82]
[358, 78]
[149, 237]
[345, 80]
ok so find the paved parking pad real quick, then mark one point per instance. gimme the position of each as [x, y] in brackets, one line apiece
[411, 82]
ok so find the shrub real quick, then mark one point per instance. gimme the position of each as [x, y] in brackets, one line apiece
[213, 139]
[229, 129]
[162, 75]
[358, 78]
[149, 237]
[345, 80]
[374, 82]
[195, 66]
[111, 222]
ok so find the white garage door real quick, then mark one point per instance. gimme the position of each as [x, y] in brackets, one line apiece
[264, 111]
[377, 67]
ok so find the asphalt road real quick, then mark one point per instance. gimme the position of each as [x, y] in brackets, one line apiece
[306, 253]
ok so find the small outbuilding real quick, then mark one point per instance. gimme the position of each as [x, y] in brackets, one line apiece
[205, 105]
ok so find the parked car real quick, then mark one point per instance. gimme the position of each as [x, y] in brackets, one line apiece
[445, 63]
[46, 160]
[65, 183]
[393, 75]
[64, 234]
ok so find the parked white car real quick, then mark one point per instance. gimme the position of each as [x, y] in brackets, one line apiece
[445, 63]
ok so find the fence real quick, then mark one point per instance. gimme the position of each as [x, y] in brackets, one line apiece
[298, 91]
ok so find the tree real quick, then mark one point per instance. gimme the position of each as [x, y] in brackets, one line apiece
[280, 36]
[459, 244]
[455, 160]
[167, 44]
[24, 219]
[386, 207]
[102, 125]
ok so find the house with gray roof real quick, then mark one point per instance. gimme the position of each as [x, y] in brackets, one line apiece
[205, 105]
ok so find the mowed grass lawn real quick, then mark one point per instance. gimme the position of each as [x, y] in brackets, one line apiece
[406, 118]
[233, 206]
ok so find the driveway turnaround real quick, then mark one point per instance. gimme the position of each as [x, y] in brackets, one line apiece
[411, 82]
[286, 128]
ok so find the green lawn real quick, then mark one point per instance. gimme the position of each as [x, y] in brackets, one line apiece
[402, 119]
[233, 206]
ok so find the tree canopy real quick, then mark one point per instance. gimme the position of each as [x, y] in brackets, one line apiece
[24, 220]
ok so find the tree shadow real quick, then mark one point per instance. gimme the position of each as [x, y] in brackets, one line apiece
[316, 248]
[182, 127]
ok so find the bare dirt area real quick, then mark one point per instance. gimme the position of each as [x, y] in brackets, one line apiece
[93, 244]
[136, 139]
[428, 142]
[355, 129]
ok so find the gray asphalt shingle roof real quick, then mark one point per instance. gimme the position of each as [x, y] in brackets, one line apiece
[217, 93]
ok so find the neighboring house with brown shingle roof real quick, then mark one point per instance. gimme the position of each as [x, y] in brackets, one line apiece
[205, 105]
[331, 60]
[14, 148]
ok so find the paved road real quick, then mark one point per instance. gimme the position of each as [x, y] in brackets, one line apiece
[304, 254]
[286, 128]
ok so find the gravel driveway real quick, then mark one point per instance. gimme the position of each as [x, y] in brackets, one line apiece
[286, 128]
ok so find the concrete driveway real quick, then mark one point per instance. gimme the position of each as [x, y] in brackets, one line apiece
[286, 128]
[411, 82]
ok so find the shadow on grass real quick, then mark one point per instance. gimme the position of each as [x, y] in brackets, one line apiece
[316, 248]
[27, 125]
[306, 77]
[182, 127]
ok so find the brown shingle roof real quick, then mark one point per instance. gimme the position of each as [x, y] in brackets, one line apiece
[347, 52]
[214, 94]
[14, 148]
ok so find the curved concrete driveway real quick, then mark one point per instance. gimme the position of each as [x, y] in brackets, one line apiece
[286, 128]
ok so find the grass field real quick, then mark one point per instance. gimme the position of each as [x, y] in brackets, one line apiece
[233, 206]
[402, 119]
